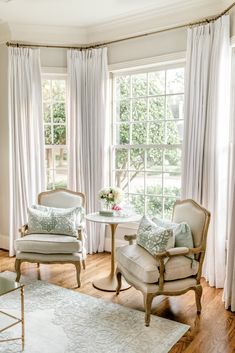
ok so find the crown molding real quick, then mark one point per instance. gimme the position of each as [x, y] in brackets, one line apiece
[156, 19]
[71, 35]
[183, 11]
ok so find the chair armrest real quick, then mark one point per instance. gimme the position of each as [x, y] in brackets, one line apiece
[81, 232]
[23, 230]
[161, 256]
[130, 238]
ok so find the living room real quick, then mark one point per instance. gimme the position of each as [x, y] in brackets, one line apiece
[117, 176]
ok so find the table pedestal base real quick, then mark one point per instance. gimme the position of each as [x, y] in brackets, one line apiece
[109, 284]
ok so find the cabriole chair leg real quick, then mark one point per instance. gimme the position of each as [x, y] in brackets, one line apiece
[198, 296]
[148, 298]
[78, 270]
[119, 282]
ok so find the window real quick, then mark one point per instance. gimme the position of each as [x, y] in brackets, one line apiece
[54, 108]
[147, 138]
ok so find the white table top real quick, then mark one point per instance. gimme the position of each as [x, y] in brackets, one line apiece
[96, 217]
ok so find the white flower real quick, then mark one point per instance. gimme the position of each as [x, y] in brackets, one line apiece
[111, 194]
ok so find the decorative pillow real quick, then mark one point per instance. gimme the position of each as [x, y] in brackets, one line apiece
[153, 238]
[182, 233]
[79, 211]
[52, 222]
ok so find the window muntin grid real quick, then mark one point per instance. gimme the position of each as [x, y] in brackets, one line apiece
[147, 138]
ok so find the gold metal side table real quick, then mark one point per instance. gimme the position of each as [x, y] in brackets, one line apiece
[7, 286]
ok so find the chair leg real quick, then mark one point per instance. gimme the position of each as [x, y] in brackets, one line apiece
[17, 268]
[78, 270]
[84, 264]
[119, 282]
[148, 298]
[38, 265]
[198, 296]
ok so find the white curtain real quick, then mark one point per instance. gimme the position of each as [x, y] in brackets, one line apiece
[88, 157]
[26, 156]
[229, 286]
[205, 154]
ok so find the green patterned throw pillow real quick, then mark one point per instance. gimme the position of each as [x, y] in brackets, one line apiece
[52, 221]
[181, 231]
[152, 238]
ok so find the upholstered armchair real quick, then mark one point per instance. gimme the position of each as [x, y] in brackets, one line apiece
[171, 272]
[53, 248]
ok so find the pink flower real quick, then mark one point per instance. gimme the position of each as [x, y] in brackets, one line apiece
[116, 208]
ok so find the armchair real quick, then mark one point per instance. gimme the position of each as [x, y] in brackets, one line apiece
[170, 272]
[53, 248]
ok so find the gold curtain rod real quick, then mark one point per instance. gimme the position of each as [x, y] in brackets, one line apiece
[98, 45]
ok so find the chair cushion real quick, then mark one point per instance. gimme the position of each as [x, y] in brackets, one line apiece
[145, 267]
[138, 262]
[154, 238]
[48, 244]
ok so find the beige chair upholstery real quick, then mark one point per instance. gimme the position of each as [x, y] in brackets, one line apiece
[170, 272]
[53, 248]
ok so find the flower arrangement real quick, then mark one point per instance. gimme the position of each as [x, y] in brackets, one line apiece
[111, 196]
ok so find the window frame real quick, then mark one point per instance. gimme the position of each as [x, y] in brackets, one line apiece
[133, 71]
[55, 75]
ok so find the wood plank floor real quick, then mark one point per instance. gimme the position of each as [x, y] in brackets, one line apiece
[211, 332]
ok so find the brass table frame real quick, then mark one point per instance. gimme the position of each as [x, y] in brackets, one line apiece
[22, 338]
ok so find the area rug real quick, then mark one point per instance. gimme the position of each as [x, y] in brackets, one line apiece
[59, 320]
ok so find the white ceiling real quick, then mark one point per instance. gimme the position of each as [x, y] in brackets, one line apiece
[86, 12]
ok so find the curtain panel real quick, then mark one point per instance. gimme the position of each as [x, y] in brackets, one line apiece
[229, 286]
[26, 142]
[87, 130]
[205, 151]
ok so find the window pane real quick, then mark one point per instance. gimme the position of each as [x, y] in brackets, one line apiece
[139, 109]
[154, 183]
[139, 85]
[121, 179]
[154, 206]
[156, 133]
[47, 112]
[172, 160]
[175, 107]
[154, 159]
[58, 90]
[59, 134]
[60, 158]
[49, 158]
[156, 108]
[156, 83]
[137, 158]
[174, 133]
[60, 178]
[48, 134]
[59, 113]
[139, 133]
[168, 207]
[136, 182]
[175, 80]
[172, 184]
[46, 90]
[121, 158]
[123, 134]
[123, 110]
[122, 87]
[137, 201]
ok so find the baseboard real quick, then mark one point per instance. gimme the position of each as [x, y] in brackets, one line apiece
[119, 242]
[4, 242]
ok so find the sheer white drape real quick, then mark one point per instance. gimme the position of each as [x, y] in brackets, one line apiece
[88, 157]
[26, 159]
[229, 286]
[205, 154]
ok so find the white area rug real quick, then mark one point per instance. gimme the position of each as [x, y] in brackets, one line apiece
[59, 320]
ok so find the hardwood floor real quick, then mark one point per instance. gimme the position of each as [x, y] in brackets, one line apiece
[211, 332]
